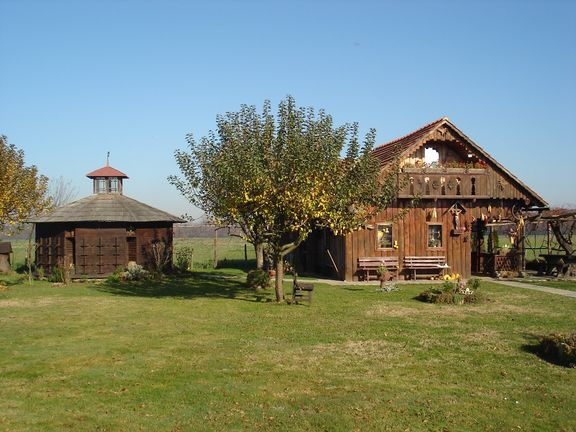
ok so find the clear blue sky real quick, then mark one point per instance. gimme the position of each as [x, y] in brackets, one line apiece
[79, 78]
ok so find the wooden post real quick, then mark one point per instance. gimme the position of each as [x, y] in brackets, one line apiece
[245, 253]
[215, 257]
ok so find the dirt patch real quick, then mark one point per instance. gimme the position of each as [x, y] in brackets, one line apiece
[453, 311]
[26, 303]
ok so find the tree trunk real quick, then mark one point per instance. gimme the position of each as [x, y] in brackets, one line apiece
[279, 279]
[259, 248]
[564, 242]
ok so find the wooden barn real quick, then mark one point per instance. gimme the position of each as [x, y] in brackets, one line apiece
[97, 234]
[462, 194]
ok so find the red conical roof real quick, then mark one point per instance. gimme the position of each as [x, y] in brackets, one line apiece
[106, 171]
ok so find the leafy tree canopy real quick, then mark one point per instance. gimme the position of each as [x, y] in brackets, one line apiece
[278, 178]
[22, 189]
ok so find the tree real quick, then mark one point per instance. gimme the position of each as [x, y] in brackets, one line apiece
[61, 191]
[23, 192]
[280, 178]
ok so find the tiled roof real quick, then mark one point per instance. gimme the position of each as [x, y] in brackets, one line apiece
[387, 152]
[107, 208]
[106, 171]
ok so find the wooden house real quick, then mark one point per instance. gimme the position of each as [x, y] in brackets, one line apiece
[451, 192]
[102, 232]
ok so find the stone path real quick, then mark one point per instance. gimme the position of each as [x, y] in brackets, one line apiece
[550, 290]
[514, 284]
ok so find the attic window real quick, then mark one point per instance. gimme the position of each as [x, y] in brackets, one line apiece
[431, 156]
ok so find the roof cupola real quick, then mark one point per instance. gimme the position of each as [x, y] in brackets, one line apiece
[107, 180]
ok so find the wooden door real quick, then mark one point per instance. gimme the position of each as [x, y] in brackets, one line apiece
[100, 251]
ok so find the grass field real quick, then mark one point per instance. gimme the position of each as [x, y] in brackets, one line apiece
[203, 353]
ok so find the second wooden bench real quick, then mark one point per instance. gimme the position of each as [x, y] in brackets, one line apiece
[430, 265]
[367, 264]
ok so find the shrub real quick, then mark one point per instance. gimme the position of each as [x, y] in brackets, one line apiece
[451, 292]
[56, 275]
[116, 276]
[183, 259]
[559, 348]
[258, 279]
[134, 272]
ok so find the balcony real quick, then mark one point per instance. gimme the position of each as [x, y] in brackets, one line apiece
[450, 183]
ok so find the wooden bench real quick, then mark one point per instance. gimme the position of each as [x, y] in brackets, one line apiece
[367, 264]
[431, 265]
[301, 291]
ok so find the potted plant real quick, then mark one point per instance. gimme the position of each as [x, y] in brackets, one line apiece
[383, 275]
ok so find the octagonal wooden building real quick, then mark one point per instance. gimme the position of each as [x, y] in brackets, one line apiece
[102, 232]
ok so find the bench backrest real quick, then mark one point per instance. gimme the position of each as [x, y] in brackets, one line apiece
[424, 260]
[387, 261]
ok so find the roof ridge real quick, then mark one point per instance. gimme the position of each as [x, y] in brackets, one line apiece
[441, 119]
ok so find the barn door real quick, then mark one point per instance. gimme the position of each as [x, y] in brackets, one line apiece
[100, 251]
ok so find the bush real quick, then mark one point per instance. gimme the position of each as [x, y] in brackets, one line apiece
[183, 259]
[135, 272]
[459, 292]
[559, 347]
[56, 275]
[258, 279]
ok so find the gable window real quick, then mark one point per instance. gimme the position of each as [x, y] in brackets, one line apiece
[434, 236]
[384, 238]
[431, 156]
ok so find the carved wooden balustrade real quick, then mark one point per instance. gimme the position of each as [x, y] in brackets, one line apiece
[444, 183]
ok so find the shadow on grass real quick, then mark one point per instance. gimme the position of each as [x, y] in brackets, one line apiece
[190, 286]
[10, 280]
[534, 347]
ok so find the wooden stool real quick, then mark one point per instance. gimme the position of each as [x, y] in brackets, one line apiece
[301, 291]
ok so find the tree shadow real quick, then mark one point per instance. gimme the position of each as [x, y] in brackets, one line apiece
[533, 346]
[189, 286]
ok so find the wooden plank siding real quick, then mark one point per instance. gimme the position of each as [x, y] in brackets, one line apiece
[411, 233]
[98, 249]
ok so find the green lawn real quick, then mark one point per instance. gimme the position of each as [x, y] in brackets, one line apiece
[203, 353]
[569, 285]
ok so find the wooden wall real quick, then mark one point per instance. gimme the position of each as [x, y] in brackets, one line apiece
[411, 233]
[98, 249]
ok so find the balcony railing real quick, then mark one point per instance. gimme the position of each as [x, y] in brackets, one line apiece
[444, 183]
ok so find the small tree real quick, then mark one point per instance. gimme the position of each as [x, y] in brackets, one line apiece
[61, 191]
[280, 178]
[161, 254]
[23, 192]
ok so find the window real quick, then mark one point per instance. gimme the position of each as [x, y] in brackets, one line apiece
[384, 238]
[101, 185]
[431, 156]
[113, 185]
[434, 235]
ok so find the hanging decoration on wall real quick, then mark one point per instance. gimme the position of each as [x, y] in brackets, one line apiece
[459, 226]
